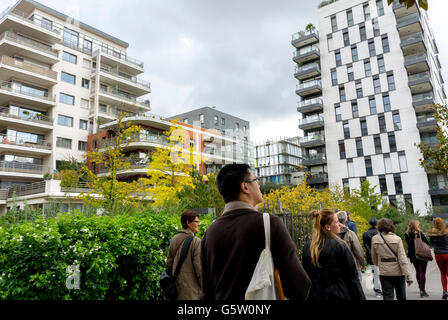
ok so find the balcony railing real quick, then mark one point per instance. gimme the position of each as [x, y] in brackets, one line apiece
[304, 33]
[426, 75]
[8, 86]
[39, 118]
[308, 84]
[135, 80]
[13, 140]
[158, 139]
[411, 38]
[422, 97]
[408, 17]
[309, 102]
[315, 156]
[28, 67]
[32, 188]
[414, 57]
[124, 96]
[23, 16]
[305, 50]
[20, 167]
[425, 119]
[311, 119]
[315, 137]
[307, 67]
[28, 42]
[119, 56]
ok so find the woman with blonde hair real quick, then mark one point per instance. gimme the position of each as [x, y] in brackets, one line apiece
[438, 236]
[329, 262]
[410, 235]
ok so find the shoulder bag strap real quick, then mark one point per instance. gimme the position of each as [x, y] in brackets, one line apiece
[267, 230]
[388, 245]
[183, 254]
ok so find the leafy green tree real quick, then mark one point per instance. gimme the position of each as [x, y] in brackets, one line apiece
[409, 3]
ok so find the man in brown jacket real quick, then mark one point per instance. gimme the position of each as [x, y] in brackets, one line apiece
[231, 246]
[188, 282]
[351, 239]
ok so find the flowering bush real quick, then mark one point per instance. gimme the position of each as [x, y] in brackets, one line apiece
[118, 257]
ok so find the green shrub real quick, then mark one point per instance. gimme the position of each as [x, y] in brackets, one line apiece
[119, 257]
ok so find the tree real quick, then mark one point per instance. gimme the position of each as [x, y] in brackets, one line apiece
[435, 158]
[107, 192]
[310, 28]
[409, 3]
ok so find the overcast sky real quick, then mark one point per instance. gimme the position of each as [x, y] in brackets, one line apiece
[234, 54]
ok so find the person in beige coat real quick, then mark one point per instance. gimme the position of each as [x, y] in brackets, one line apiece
[188, 282]
[389, 256]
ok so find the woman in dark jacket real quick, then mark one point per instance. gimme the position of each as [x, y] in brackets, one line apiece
[419, 265]
[329, 262]
[439, 239]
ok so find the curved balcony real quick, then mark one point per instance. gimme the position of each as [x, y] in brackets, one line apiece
[146, 141]
[125, 63]
[310, 105]
[313, 122]
[307, 71]
[114, 96]
[304, 38]
[310, 87]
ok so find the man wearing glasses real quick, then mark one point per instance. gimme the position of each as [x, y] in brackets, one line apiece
[232, 245]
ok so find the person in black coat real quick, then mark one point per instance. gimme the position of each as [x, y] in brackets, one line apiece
[413, 232]
[367, 241]
[329, 262]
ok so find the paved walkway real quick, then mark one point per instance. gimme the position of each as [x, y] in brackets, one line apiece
[433, 284]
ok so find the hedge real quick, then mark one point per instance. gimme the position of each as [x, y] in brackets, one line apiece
[119, 258]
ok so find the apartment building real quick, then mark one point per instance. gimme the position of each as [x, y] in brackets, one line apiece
[380, 74]
[59, 80]
[277, 160]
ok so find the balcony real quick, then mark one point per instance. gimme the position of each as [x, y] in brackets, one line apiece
[38, 122]
[307, 71]
[139, 142]
[21, 170]
[416, 63]
[125, 63]
[145, 119]
[304, 38]
[132, 84]
[413, 43]
[423, 101]
[317, 178]
[14, 144]
[409, 24]
[13, 19]
[11, 68]
[316, 140]
[420, 82]
[307, 88]
[13, 91]
[130, 103]
[314, 159]
[310, 105]
[313, 122]
[438, 189]
[305, 54]
[426, 123]
[136, 167]
[400, 10]
[11, 43]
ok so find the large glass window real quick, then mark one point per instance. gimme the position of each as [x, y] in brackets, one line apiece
[372, 105]
[337, 111]
[381, 66]
[66, 77]
[350, 74]
[377, 143]
[385, 42]
[350, 18]
[382, 123]
[346, 38]
[396, 118]
[372, 51]
[362, 32]
[334, 24]
[367, 68]
[363, 127]
[67, 99]
[69, 57]
[346, 129]
[387, 163]
[386, 102]
[355, 110]
[342, 93]
[392, 142]
[377, 84]
[383, 185]
[71, 37]
[337, 56]
[83, 124]
[369, 168]
[366, 11]
[376, 27]
[82, 145]
[398, 185]
[359, 149]
[63, 143]
[341, 149]
[65, 121]
[391, 81]
[380, 7]
[350, 168]
[334, 77]
[355, 53]
[358, 86]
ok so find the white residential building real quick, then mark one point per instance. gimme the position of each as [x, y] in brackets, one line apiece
[380, 73]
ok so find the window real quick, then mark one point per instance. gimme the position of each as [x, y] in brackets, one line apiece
[380, 7]
[350, 75]
[345, 186]
[383, 184]
[350, 18]
[47, 24]
[363, 127]
[392, 142]
[346, 129]
[82, 145]
[376, 27]
[372, 51]
[366, 11]
[67, 99]
[337, 111]
[346, 37]
[342, 93]
[69, 57]
[68, 77]
[237, 126]
[391, 81]
[84, 103]
[396, 118]
[337, 55]
[86, 63]
[63, 143]
[201, 118]
[216, 120]
[386, 102]
[85, 83]
[65, 121]
[377, 143]
[334, 24]
[372, 105]
[369, 169]
[402, 161]
[223, 121]
[376, 84]
[330, 43]
[367, 68]
[83, 124]
[385, 42]
[382, 123]
[334, 77]
[362, 32]
[358, 86]
[359, 150]
[71, 38]
[341, 149]
[355, 110]
[87, 46]
[185, 120]
[355, 53]
[381, 67]
[387, 163]
[350, 168]
[398, 185]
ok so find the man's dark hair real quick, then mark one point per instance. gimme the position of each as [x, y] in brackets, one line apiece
[229, 180]
[188, 216]
[373, 222]
[386, 225]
